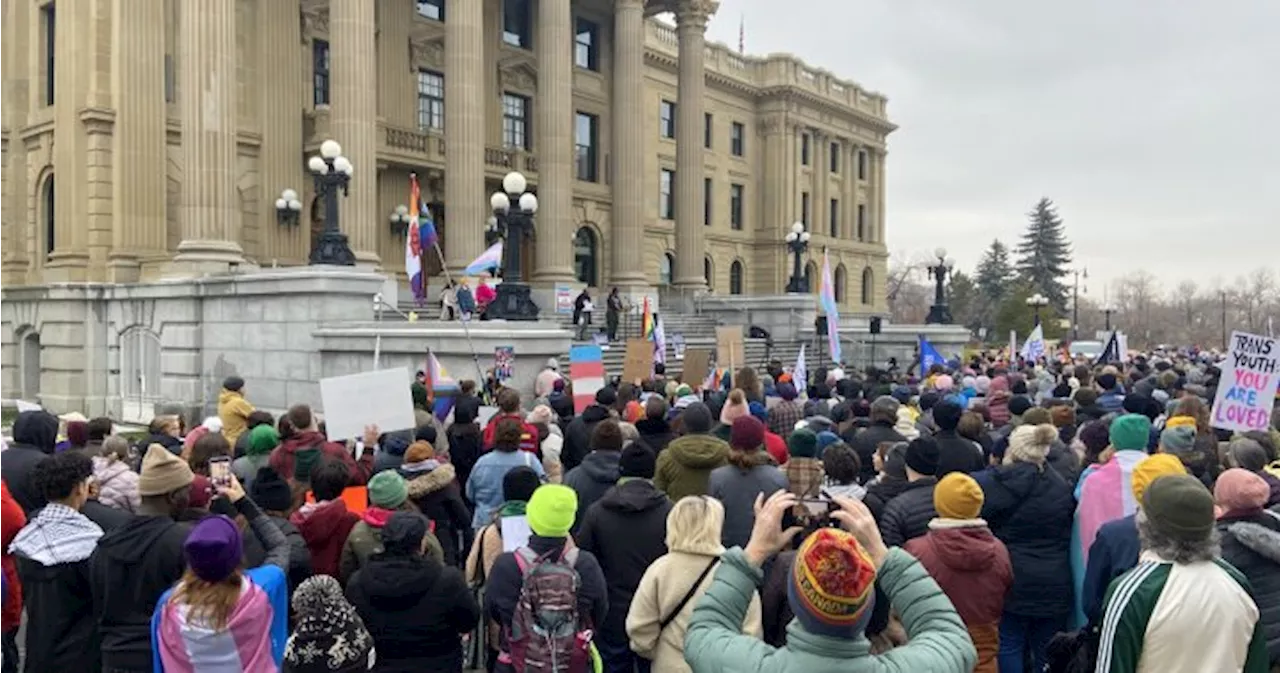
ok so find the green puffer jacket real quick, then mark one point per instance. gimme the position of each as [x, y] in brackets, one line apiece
[939, 642]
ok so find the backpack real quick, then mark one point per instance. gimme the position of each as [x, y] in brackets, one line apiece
[547, 634]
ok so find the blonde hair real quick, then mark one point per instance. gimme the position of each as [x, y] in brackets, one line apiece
[209, 604]
[115, 448]
[694, 524]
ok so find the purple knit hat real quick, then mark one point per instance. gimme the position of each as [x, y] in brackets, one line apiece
[213, 548]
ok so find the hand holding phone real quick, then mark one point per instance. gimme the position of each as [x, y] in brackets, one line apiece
[220, 471]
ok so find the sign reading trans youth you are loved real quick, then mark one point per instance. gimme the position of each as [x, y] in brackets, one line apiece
[1247, 389]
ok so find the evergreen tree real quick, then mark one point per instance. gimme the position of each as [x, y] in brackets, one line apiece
[964, 300]
[1044, 253]
[994, 273]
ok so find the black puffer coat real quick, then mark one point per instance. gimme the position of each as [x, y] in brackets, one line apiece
[908, 515]
[1031, 509]
[577, 436]
[881, 492]
[1252, 544]
[438, 497]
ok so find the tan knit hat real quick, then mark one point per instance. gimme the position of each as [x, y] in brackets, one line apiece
[163, 472]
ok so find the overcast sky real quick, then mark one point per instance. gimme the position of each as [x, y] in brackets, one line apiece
[1154, 125]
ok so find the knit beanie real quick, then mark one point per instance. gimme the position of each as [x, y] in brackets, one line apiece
[696, 419]
[1178, 439]
[831, 586]
[947, 414]
[213, 548]
[826, 438]
[387, 489]
[1152, 468]
[329, 635]
[403, 533]
[1019, 404]
[944, 384]
[758, 411]
[1238, 490]
[732, 411]
[1037, 416]
[1181, 422]
[1130, 432]
[200, 493]
[162, 472]
[787, 391]
[1180, 507]
[540, 414]
[923, 456]
[803, 443]
[551, 510]
[519, 483]
[1030, 443]
[957, 496]
[269, 491]
[262, 439]
[683, 389]
[637, 461]
[746, 434]
[418, 452]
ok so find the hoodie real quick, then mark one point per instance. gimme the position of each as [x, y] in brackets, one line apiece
[974, 571]
[233, 411]
[285, 457]
[325, 527]
[655, 433]
[591, 480]
[34, 435]
[685, 467]
[577, 436]
[626, 530]
[416, 609]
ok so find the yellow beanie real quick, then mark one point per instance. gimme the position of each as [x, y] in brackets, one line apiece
[1180, 421]
[551, 510]
[958, 496]
[1151, 468]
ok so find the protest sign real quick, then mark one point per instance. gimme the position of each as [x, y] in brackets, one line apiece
[729, 347]
[638, 361]
[380, 398]
[696, 363]
[564, 299]
[1247, 389]
[504, 363]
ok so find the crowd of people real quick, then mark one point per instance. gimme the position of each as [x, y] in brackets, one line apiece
[982, 516]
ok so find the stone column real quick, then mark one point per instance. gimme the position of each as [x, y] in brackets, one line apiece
[140, 227]
[210, 210]
[627, 231]
[280, 160]
[16, 81]
[466, 204]
[691, 20]
[852, 190]
[879, 197]
[353, 119]
[554, 44]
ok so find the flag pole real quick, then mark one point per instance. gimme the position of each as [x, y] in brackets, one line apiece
[465, 329]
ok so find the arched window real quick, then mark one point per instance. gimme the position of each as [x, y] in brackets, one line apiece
[811, 276]
[666, 263]
[46, 198]
[706, 271]
[139, 373]
[735, 277]
[868, 286]
[29, 364]
[839, 280]
[584, 256]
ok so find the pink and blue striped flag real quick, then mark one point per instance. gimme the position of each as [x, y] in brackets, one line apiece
[827, 298]
[413, 245]
[487, 262]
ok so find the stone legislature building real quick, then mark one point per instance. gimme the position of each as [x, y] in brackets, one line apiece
[150, 141]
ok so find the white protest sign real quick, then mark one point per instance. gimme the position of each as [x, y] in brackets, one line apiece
[1247, 389]
[515, 532]
[379, 398]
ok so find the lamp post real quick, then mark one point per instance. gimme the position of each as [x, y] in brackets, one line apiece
[1106, 314]
[1075, 302]
[1037, 301]
[332, 172]
[512, 301]
[940, 313]
[287, 207]
[798, 241]
[400, 220]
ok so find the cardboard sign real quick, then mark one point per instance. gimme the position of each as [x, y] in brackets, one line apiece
[730, 351]
[379, 398]
[638, 362]
[1247, 389]
[697, 362]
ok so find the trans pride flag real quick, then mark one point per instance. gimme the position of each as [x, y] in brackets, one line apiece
[586, 370]
[413, 244]
[441, 388]
[827, 299]
[487, 262]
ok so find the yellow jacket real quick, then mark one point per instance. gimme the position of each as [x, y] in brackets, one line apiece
[233, 411]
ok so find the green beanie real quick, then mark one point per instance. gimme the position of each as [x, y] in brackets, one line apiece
[551, 510]
[387, 489]
[1130, 432]
[803, 443]
[262, 440]
[1180, 507]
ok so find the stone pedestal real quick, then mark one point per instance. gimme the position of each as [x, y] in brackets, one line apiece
[784, 316]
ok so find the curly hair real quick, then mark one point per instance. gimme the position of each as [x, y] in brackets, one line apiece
[58, 475]
[506, 435]
[841, 464]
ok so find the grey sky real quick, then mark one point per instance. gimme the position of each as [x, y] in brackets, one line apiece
[1154, 125]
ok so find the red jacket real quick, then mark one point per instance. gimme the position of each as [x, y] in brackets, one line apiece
[282, 457]
[776, 446]
[12, 519]
[325, 528]
[528, 433]
[973, 569]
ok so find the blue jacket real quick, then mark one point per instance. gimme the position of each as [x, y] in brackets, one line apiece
[466, 300]
[1114, 551]
[1112, 401]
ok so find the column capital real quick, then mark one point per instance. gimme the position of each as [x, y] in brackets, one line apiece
[695, 13]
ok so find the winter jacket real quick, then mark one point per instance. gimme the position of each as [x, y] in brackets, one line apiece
[1030, 509]
[867, 441]
[528, 433]
[233, 411]
[325, 527]
[283, 457]
[661, 589]
[685, 467]
[1064, 461]
[626, 530]
[464, 448]
[1251, 543]
[255, 553]
[246, 467]
[438, 497]
[908, 515]
[34, 435]
[957, 454]
[973, 569]
[12, 519]
[736, 488]
[655, 433]
[117, 484]
[998, 408]
[484, 486]
[1114, 551]
[416, 609]
[577, 437]
[775, 605]
[880, 492]
[365, 540]
[597, 473]
[107, 518]
[938, 640]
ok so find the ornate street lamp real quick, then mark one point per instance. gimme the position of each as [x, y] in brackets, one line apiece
[1037, 301]
[332, 173]
[798, 241]
[512, 301]
[1107, 310]
[400, 220]
[940, 313]
[287, 207]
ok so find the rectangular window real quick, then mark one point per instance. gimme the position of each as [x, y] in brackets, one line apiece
[804, 149]
[737, 139]
[50, 20]
[586, 45]
[666, 204]
[804, 209]
[517, 23]
[835, 217]
[168, 78]
[515, 121]
[430, 100]
[585, 139]
[320, 68]
[432, 9]
[667, 119]
[735, 207]
[862, 221]
[835, 157]
[706, 130]
[707, 196]
[862, 164]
